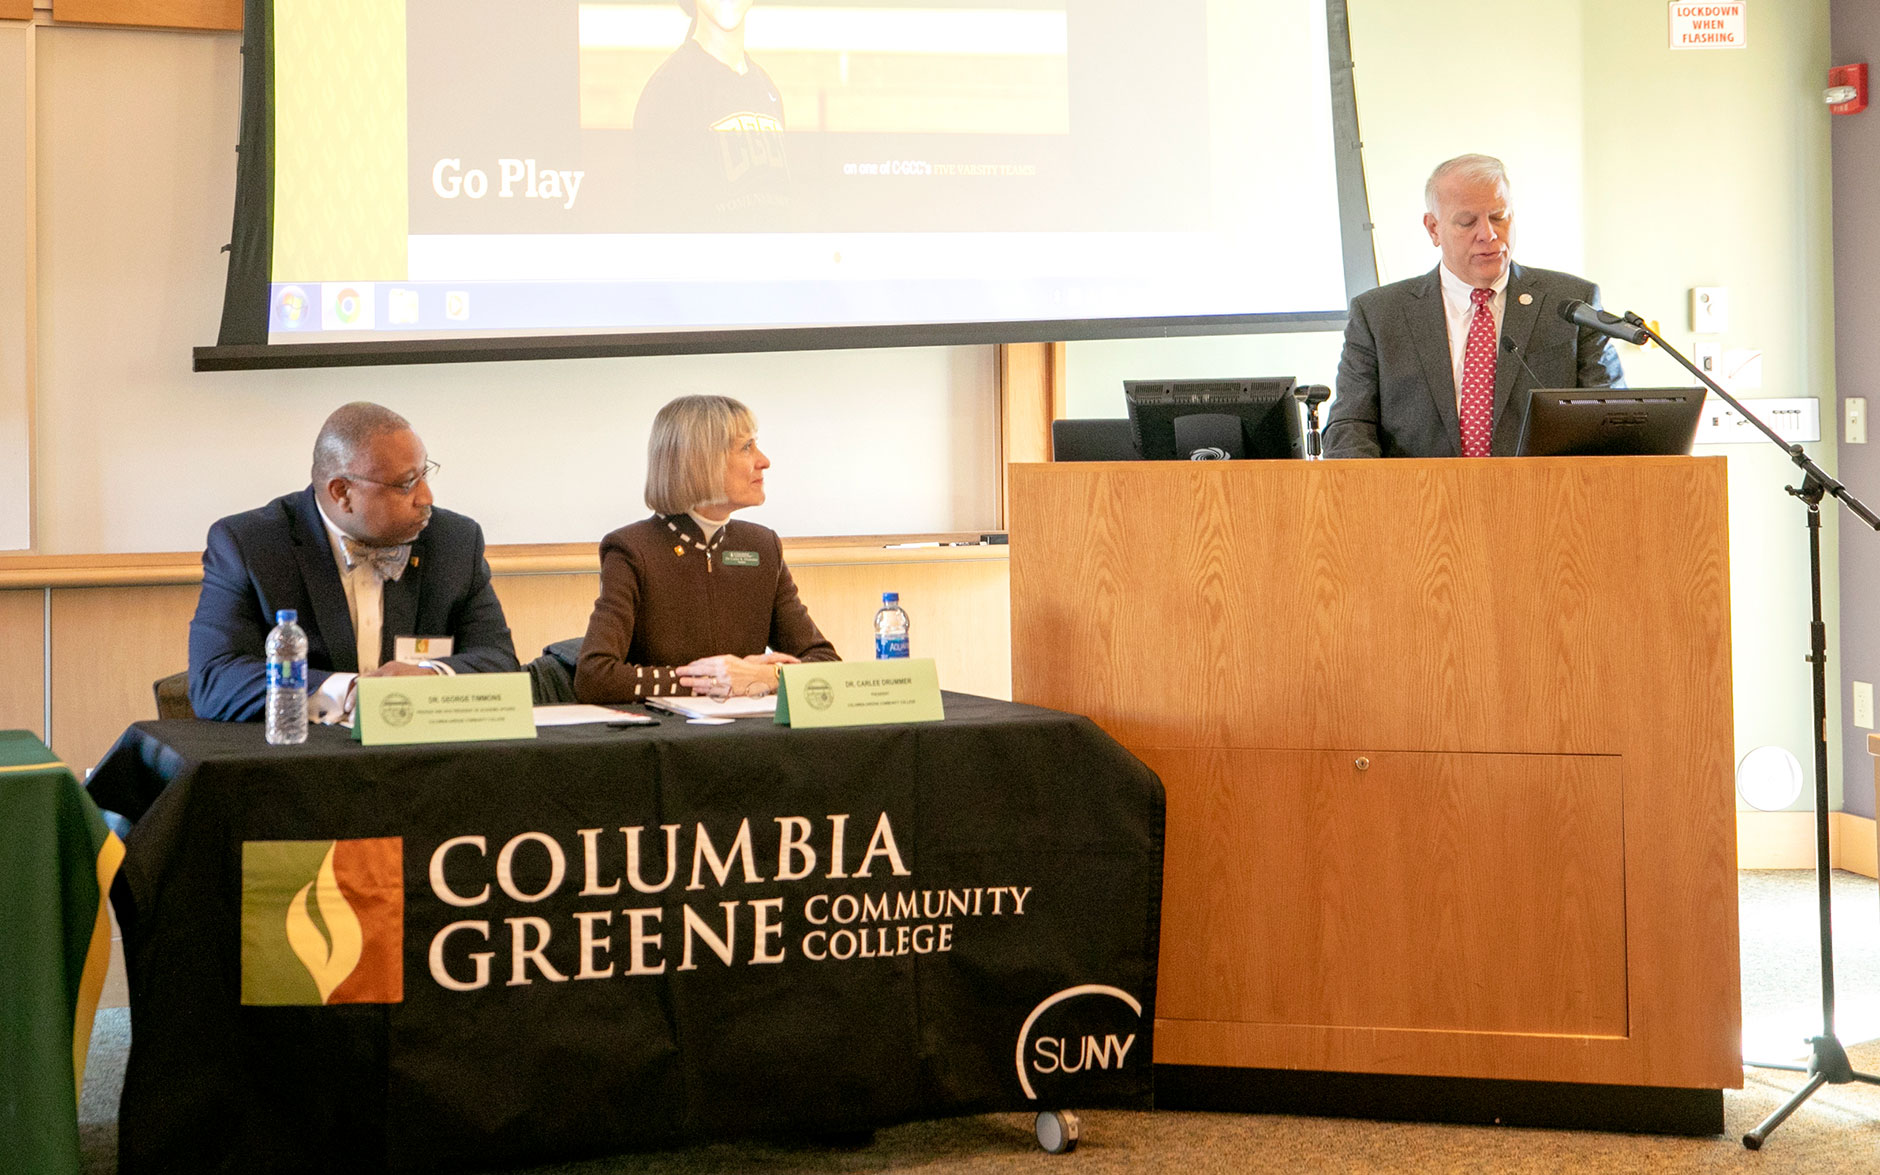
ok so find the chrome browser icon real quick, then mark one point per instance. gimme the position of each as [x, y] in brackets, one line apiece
[347, 305]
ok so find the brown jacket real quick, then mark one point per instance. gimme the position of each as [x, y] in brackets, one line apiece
[668, 597]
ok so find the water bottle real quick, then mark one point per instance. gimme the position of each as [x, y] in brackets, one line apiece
[287, 680]
[890, 628]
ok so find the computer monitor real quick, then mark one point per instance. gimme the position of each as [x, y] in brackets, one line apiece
[1215, 419]
[1102, 439]
[1610, 422]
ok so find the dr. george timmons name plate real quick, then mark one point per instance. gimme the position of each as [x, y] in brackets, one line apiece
[437, 709]
[859, 693]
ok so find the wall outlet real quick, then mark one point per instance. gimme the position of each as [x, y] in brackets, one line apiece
[1863, 705]
[1856, 409]
[1709, 358]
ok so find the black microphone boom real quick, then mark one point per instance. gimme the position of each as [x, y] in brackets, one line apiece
[1610, 325]
[1508, 345]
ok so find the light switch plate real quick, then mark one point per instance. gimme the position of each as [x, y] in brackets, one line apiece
[1855, 408]
[1710, 310]
[1863, 705]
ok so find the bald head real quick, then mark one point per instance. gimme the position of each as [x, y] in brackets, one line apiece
[348, 433]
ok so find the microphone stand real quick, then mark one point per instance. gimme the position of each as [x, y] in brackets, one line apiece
[1312, 396]
[1828, 1063]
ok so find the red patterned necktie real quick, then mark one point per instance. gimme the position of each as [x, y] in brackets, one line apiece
[1478, 378]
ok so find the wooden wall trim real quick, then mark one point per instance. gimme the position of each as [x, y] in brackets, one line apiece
[16, 9]
[1031, 396]
[1786, 840]
[183, 567]
[214, 15]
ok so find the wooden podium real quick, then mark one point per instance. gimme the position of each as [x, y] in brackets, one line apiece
[1448, 751]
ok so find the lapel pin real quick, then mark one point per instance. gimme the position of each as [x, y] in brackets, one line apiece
[1527, 299]
[678, 549]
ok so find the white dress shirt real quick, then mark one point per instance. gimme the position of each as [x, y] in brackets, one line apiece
[1459, 313]
[365, 603]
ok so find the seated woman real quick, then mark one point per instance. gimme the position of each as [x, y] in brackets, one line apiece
[690, 601]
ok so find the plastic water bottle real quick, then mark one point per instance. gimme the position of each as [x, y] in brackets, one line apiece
[287, 680]
[890, 628]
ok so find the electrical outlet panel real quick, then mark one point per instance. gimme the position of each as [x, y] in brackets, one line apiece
[1797, 421]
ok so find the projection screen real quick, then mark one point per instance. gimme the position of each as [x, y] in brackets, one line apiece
[448, 180]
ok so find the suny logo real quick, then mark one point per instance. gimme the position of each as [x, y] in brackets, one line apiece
[323, 921]
[1072, 1053]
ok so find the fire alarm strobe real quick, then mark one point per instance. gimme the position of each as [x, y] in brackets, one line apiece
[1847, 89]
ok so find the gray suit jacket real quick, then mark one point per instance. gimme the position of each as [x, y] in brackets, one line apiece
[1396, 383]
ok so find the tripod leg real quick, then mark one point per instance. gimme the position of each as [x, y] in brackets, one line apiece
[1754, 1139]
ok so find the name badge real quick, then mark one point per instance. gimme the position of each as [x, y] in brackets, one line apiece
[740, 558]
[422, 648]
[433, 708]
[858, 693]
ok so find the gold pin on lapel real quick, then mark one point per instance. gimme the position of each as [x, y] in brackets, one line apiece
[1527, 299]
[678, 549]
[414, 560]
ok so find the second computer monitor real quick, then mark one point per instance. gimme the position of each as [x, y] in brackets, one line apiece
[1215, 419]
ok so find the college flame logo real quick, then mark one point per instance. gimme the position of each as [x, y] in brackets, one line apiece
[323, 922]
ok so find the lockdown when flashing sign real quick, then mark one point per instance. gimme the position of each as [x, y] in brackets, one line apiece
[1697, 25]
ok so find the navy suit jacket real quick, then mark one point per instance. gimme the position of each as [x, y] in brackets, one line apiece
[279, 556]
[1396, 381]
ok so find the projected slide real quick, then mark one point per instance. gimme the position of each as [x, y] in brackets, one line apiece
[649, 165]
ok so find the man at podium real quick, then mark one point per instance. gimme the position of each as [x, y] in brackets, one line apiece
[1441, 365]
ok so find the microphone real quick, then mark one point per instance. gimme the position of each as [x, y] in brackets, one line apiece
[1610, 325]
[1313, 395]
[1507, 344]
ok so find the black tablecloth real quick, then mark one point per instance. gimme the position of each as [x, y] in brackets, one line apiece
[921, 920]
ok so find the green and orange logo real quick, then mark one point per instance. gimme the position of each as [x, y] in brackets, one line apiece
[323, 921]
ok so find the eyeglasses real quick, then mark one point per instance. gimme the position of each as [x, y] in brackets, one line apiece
[407, 486]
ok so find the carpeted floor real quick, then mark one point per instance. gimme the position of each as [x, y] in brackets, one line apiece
[1838, 1130]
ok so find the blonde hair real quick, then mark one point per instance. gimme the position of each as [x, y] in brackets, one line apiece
[1469, 169]
[686, 452]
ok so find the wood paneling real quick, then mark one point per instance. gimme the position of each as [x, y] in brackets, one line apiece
[165, 14]
[958, 606]
[543, 609]
[110, 643]
[1399, 608]
[1381, 896]
[108, 646]
[16, 9]
[22, 661]
[958, 613]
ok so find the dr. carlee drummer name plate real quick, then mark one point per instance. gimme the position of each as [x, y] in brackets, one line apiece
[858, 693]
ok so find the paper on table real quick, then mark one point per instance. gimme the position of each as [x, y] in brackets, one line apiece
[701, 707]
[574, 715]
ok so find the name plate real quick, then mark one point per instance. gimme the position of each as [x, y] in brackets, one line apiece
[431, 708]
[858, 693]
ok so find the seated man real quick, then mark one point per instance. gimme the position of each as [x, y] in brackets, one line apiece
[363, 557]
[1424, 373]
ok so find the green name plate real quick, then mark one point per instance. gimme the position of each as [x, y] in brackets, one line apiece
[859, 693]
[436, 709]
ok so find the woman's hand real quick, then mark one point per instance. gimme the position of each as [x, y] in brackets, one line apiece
[727, 675]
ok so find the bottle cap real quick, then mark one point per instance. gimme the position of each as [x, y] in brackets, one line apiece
[890, 597]
[286, 616]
